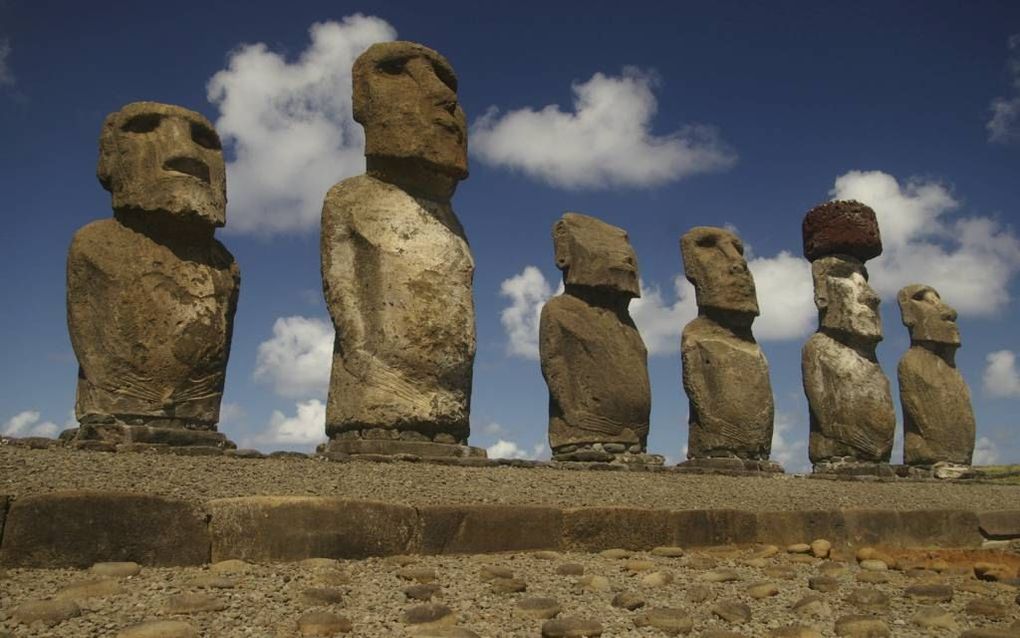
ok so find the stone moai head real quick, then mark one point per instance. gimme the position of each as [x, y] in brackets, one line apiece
[927, 317]
[160, 158]
[846, 302]
[595, 254]
[714, 262]
[405, 97]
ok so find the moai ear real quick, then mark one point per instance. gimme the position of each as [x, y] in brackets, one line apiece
[561, 245]
[107, 151]
[907, 298]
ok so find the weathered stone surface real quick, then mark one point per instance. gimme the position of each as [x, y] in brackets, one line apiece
[851, 411]
[93, 588]
[858, 626]
[151, 294]
[476, 529]
[598, 528]
[429, 615]
[725, 373]
[396, 266]
[938, 418]
[841, 228]
[322, 623]
[159, 629]
[122, 569]
[668, 620]
[592, 356]
[701, 528]
[1004, 524]
[287, 528]
[423, 449]
[571, 627]
[539, 608]
[79, 528]
[48, 612]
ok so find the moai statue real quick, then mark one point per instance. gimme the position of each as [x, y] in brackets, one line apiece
[938, 420]
[396, 266]
[593, 358]
[725, 373]
[851, 410]
[151, 294]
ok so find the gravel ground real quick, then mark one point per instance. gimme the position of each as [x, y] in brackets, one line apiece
[27, 471]
[268, 600]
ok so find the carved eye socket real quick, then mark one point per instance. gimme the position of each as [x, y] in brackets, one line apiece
[706, 241]
[144, 123]
[205, 136]
[445, 76]
[393, 66]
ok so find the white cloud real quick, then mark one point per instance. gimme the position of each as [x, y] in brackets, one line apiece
[298, 358]
[1004, 125]
[969, 261]
[985, 452]
[785, 297]
[660, 321]
[605, 141]
[6, 77]
[305, 429]
[290, 125]
[27, 423]
[1001, 377]
[528, 292]
[231, 412]
[789, 449]
[494, 429]
[503, 449]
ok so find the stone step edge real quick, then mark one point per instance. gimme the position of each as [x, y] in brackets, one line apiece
[79, 528]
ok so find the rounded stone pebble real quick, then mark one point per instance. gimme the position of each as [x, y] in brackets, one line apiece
[721, 633]
[159, 629]
[116, 570]
[418, 574]
[986, 607]
[539, 608]
[491, 572]
[824, 584]
[323, 623]
[193, 603]
[873, 565]
[430, 614]
[812, 605]
[875, 578]
[933, 617]
[666, 619]
[795, 631]
[615, 553]
[668, 552]
[798, 548]
[856, 626]
[571, 628]
[868, 599]
[721, 576]
[322, 596]
[628, 600]
[657, 579]
[570, 569]
[421, 592]
[445, 632]
[593, 582]
[934, 593]
[821, 548]
[48, 612]
[699, 593]
[762, 590]
[634, 565]
[231, 566]
[95, 588]
[732, 611]
[508, 586]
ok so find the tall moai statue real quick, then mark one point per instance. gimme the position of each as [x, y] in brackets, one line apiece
[938, 419]
[725, 373]
[151, 294]
[396, 266]
[593, 358]
[851, 409]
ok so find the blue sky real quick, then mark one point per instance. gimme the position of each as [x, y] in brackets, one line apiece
[655, 118]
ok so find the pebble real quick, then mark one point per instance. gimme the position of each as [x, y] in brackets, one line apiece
[721, 576]
[870, 553]
[757, 563]
[821, 548]
[445, 632]
[668, 552]
[116, 570]
[322, 623]
[763, 590]
[638, 565]
[823, 584]
[986, 607]
[508, 585]
[874, 565]
[795, 631]
[159, 629]
[211, 581]
[765, 551]
[571, 628]
[322, 596]
[732, 611]
[873, 577]
[421, 592]
[657, 579]
[193, 603]
[570, 569]
[868, 599]
[812, 605]
[628, 600]
[539, 608]
[95, 588]
[933, 617]
[430, 614]
[721, 633]
[666, 619]
[993, 571]
[975, 587]
[418, 574]
[990, 632]
[699, 593]
[935, 593]
[231, 566]
[855, 626]
[783, 573]
[798, 548]
[48, 612]
[701, 562]
[615, 553]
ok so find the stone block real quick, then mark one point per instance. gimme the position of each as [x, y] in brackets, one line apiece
[786, 528]
[913, 528]
[598, 528]
[478, 529]
[291, 528]
[79, 528]
[1000, 525]
[423, 449]
[701, 528]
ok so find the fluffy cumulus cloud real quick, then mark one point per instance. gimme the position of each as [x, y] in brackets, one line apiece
[503, 449]
[1004, 125]
[605, 141]
[527, 292]
[305, 429]
[659, 319]
[290, 124]
[789, 449]
[298, 357]
[1001, 377]
[785, 297]
[970, 261]
[6, 77]
[30, 423]
[985, 452]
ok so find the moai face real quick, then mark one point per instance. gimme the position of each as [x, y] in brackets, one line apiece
[161, 158]
[844, 298]
[926, 316]
[593, 253]
[714, 262]
[405, 96]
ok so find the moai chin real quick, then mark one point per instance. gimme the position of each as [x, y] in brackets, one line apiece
[593, 358]
[725, 373]
[396, 266]
[938, 419]
[851, 410]
[151, 294]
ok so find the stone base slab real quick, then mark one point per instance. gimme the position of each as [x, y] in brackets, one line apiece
[143, 435]
[394, 447]
[854, 468]
[727, 465]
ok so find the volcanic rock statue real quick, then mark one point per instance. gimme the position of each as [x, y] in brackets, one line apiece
[396, 266]
[151, 293]
[725, 372]
[593, 358]
[938, 420]
[851, 410]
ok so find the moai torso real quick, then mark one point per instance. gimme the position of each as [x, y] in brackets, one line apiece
[151, 324]
[397, 275]
[596, 367]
